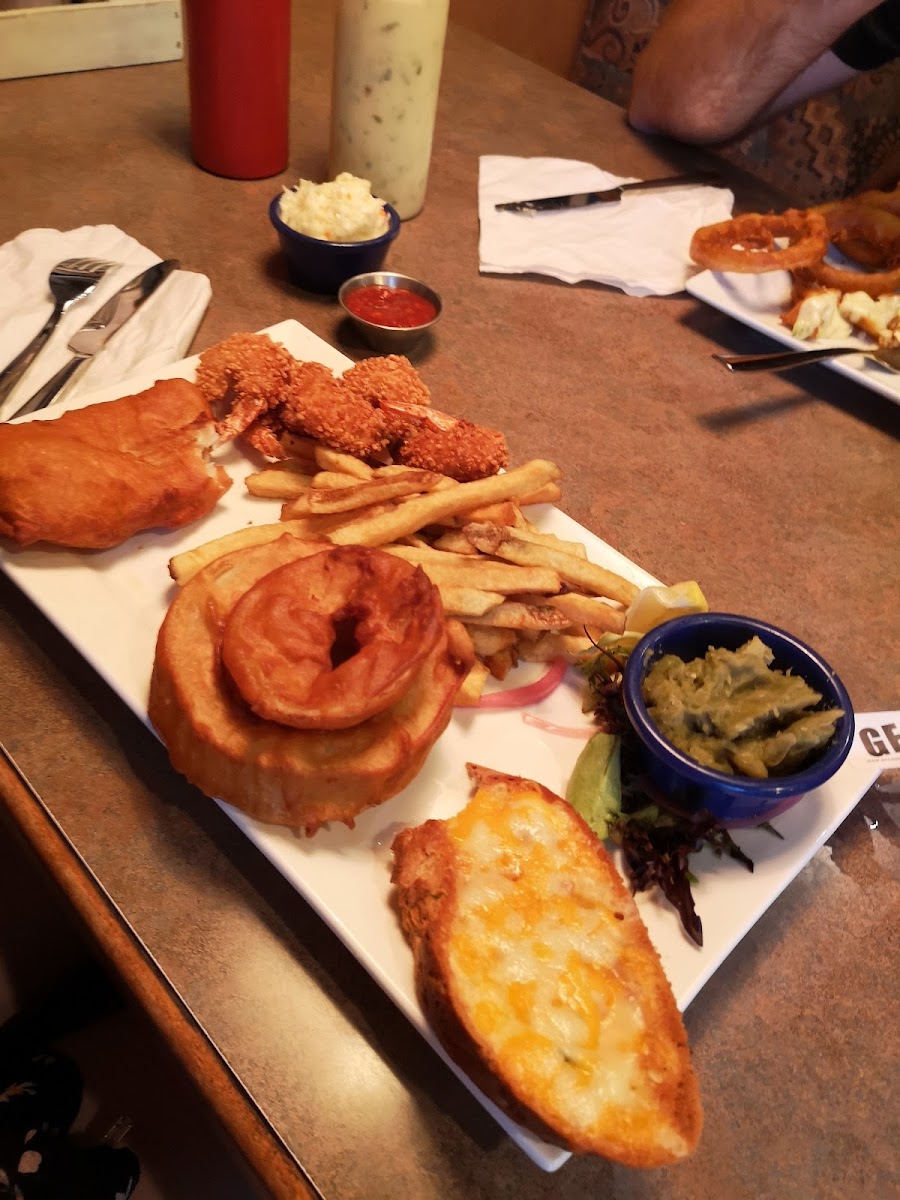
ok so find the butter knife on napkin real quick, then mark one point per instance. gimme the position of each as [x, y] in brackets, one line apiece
[607, 196]
[96, 332]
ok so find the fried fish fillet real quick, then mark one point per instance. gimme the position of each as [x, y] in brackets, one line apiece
[96, 475]
[536, 972]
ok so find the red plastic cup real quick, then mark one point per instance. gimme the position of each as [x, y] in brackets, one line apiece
[239, 55]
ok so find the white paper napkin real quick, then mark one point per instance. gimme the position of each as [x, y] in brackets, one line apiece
[639, 244]
[159, 333]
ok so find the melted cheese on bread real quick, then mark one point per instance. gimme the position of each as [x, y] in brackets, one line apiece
[550, 972]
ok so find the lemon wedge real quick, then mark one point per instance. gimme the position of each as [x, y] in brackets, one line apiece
[653, 605]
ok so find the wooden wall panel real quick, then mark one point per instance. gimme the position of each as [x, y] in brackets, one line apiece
[543, 31]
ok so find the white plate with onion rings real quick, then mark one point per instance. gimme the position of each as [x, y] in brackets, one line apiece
[110, 605]
[759, 300]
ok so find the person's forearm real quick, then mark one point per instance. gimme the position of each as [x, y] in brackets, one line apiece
[826, 72]
[713, 66]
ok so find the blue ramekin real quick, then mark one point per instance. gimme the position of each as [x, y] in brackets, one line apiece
[732, 799]
[321, 266]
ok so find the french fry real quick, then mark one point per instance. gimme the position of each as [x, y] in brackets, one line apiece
[335, 460]
[469, 694]
[512, 615]
[459, 643]
[528, 597]
[397, 469]
[414, 539]
[421, 554]
[301, 448]
[319, 525]
[489, 577]
[548, 646]
[529, 534]
[489, 640]
[444, 502]
[185, 566]
[346, 499]
[506, 512]
[589, 611]
[334, 479]
[277, 484]
[455, 542]
[550, 493]
[501, 663]
[466, 602]
[455, 570]
[504, 543]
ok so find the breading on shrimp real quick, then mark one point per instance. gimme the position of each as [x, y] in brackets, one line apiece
[318, 403]
[376, 405]
[390, 376]
[392, 384]
[247, 370]
[464, 451]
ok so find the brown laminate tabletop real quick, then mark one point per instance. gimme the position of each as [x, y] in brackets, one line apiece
[778, 493]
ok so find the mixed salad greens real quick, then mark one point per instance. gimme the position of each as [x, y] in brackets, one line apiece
[610, 790]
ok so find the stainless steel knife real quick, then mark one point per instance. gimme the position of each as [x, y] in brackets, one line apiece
[95, 333]
[609, 196]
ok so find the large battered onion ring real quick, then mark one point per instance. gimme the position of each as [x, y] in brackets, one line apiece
[293, 777]
[869, 235]
[330, 640]
[826, 275]
[889, 201]
[747, 244]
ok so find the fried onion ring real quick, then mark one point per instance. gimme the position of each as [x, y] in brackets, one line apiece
[330, 640]
[300, 778]
[826, 275]
[890, 201]
[869, 235]
[747, 244]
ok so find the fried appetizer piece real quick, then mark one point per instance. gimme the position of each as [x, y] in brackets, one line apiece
[96, 475]
[319, 404]
[387, 377]
[863, 232]
[755, 242]
[422, 436]
[332, 639]
[268, 393]
[213, 659]
[817, 315]
[890, 201]
[463, 451]
[392, 384]
[537, 974]
[375, 406]
[880, 318]
[249, 372]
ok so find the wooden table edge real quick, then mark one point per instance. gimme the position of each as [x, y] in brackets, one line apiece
[265, 1152]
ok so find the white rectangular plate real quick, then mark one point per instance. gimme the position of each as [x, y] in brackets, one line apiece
[759, 301]
[110, 604]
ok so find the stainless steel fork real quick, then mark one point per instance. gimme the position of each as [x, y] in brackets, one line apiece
[70, 281]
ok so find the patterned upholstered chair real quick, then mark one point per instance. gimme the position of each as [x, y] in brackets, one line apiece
[820, 150]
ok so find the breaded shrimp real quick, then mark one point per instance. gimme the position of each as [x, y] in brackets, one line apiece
[376, 404]
[247, 369]
[392, 385]
[464, 451]
[318, 404]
